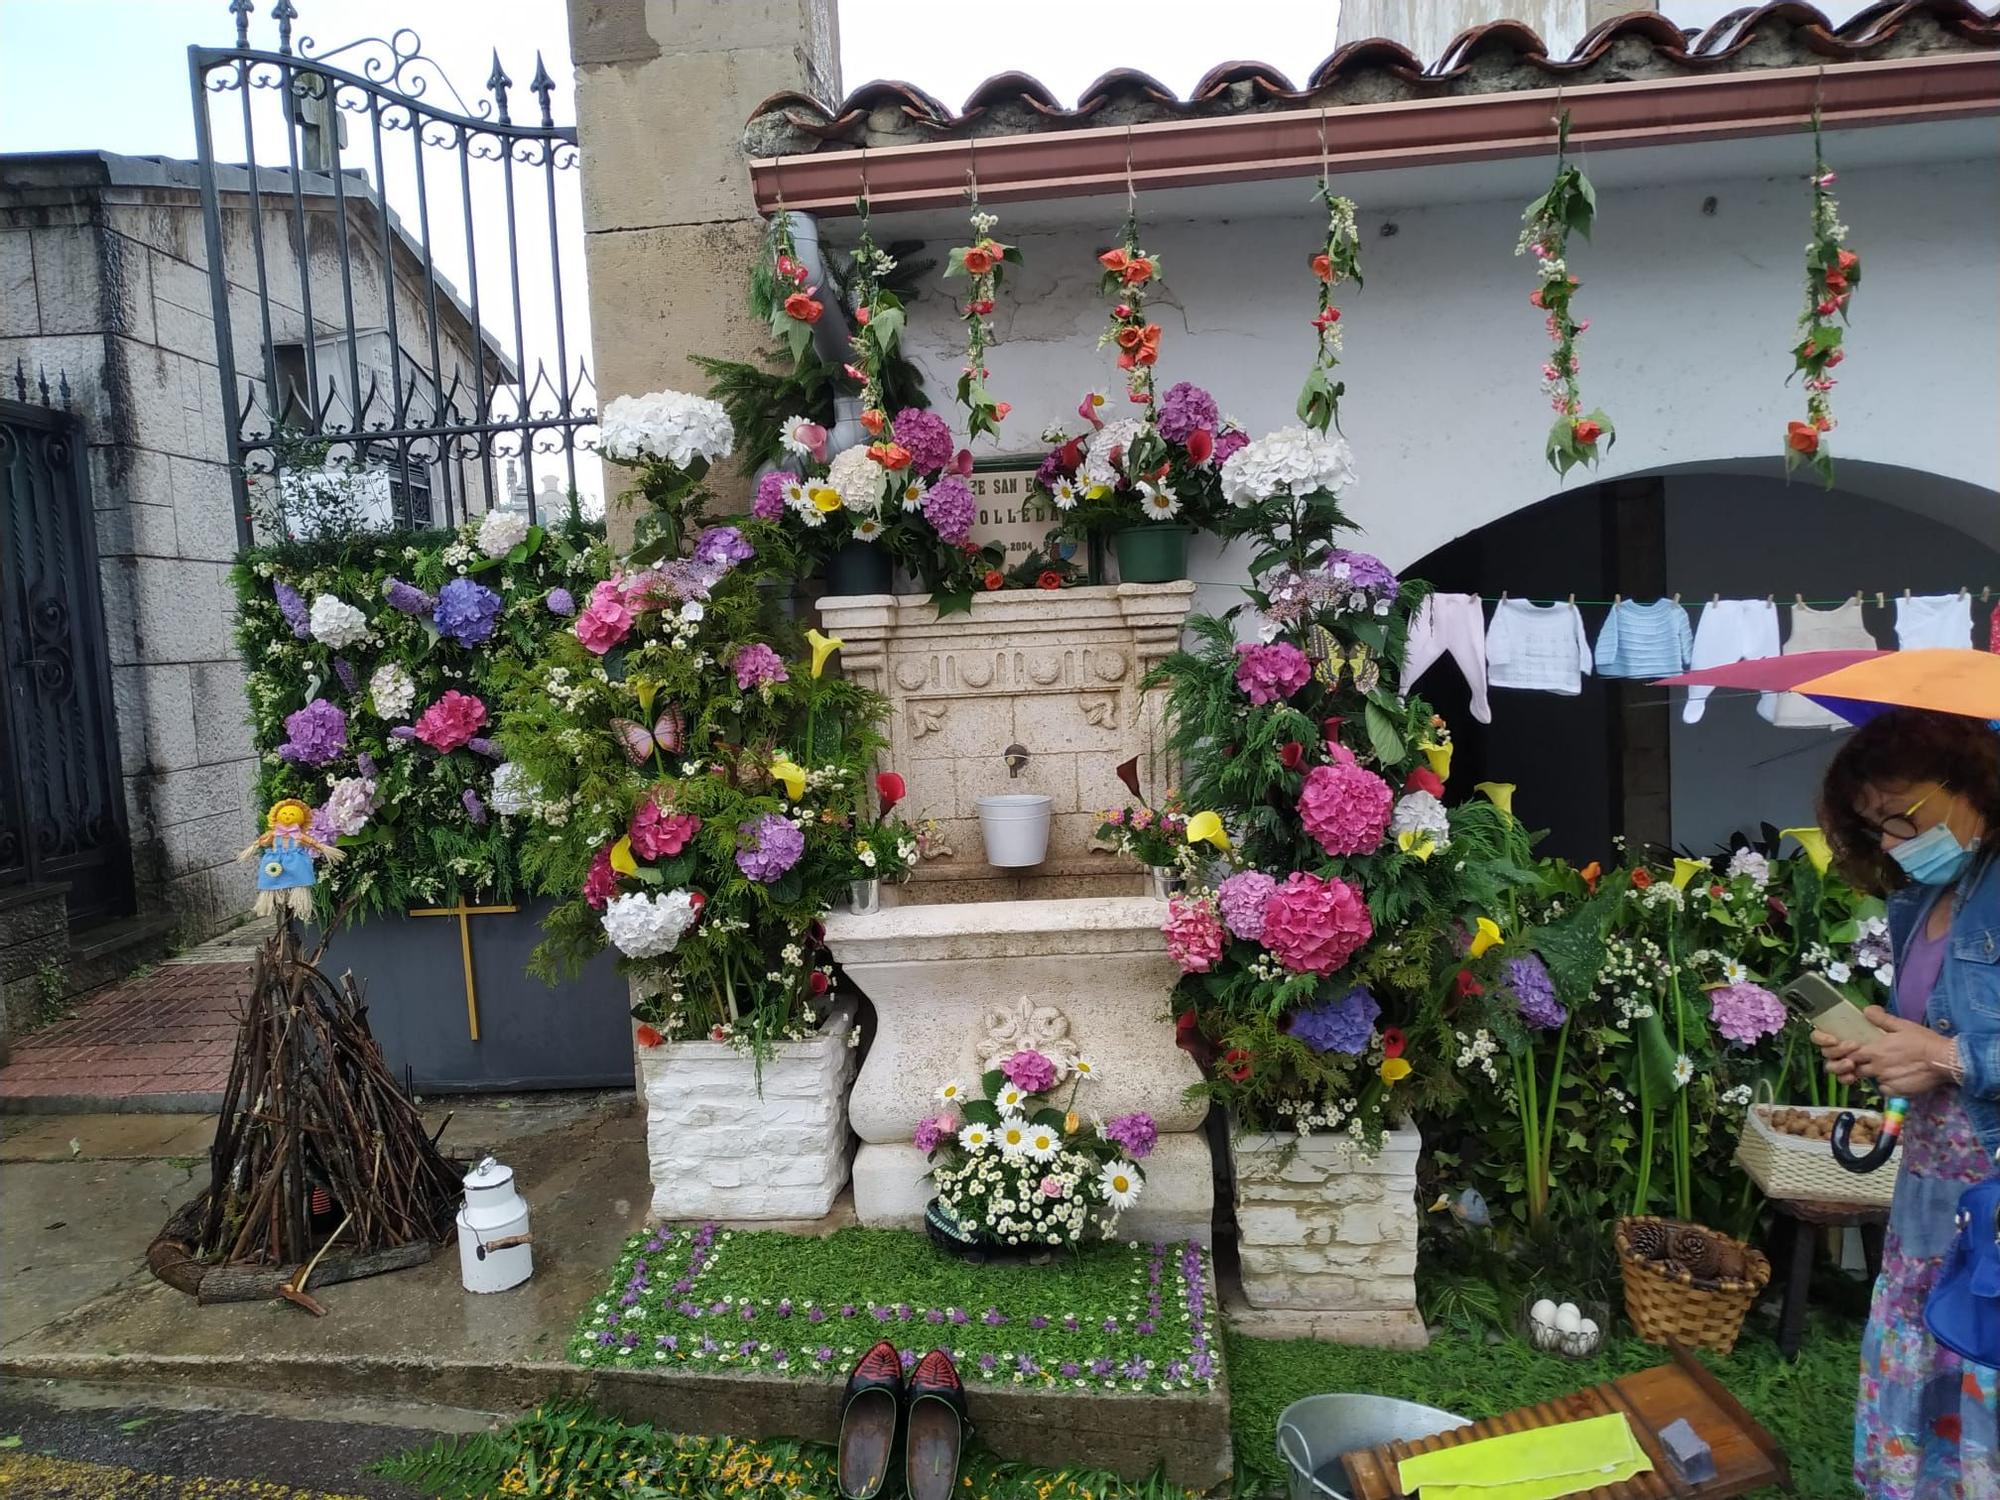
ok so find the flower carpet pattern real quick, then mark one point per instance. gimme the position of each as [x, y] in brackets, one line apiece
[1117, 1317]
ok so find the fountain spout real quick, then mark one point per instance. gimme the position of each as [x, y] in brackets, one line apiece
[1016, 757]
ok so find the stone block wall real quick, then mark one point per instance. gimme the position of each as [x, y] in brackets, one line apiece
[34, 943]
[725, 1143]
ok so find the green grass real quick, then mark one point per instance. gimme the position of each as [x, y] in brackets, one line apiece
[1807, 1406]
[809, 1307]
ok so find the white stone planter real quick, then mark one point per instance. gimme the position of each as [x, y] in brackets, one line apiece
[720, 1148]
[1327, 1236]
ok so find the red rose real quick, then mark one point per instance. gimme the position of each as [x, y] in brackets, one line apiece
[646, 1036]
[1587, 431]
[718, 1033]
[1424, 779]
[1050, 579]
[817, 981]
[1122, 310]
[1236, 1065]
[802, 307]
[1290, 754]
[891, 788]
[994, 580]
[1641, 878]
[1802, 437]
[1322, 266]
[1200, 445]
[1392, 1042]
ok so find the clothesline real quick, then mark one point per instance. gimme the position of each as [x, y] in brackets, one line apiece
[1882, 598]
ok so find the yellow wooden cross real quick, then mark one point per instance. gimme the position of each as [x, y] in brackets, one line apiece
[462, 912]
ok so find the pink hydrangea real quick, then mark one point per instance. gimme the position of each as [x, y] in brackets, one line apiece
[1194, 933]
[1268, 673]
[606, 619]
[1345, 806]
[1314, 926]
[1746, 1013]
[451, 721]
[660, 831]
[601, 884]
[1242, 897]
[1030, 1071]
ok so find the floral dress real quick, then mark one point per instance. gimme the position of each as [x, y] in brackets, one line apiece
[1925, 1427]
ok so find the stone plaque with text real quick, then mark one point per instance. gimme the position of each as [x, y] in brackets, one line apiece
[1011, 514]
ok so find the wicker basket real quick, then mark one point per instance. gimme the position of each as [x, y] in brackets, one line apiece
[1671, 1307]
[1800, 1168]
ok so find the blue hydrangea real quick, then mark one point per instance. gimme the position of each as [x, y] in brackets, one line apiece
[1342, 1025]
[466, 611]
[1535, 993]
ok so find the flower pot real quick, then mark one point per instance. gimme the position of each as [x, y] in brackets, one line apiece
[1153, 553]
[1015, 829]
[859, 568]
[1163, 881]
[864, 897]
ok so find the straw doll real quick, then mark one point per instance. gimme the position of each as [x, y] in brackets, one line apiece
[285, 878]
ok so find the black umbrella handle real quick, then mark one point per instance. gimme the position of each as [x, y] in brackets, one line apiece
[1885, 1140]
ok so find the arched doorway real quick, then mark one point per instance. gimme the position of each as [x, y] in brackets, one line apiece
[1617, 759]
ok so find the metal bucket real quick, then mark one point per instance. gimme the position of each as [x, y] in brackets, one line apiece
[1313, 1433]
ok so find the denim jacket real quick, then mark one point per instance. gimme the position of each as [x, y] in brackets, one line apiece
[1965, 1005]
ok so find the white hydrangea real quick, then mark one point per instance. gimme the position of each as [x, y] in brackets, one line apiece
[392, 691]
[672, 425]
[337, 623]
[1100, 469]
[1292, 460]
[1750, 862]
[1420, 812]
[859, 479]
[648, 926]
[501, 532]
[513, 793]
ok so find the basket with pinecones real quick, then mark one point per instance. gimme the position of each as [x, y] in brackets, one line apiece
[1686, 1284]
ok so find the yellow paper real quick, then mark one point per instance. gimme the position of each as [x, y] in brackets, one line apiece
[1543, 1464]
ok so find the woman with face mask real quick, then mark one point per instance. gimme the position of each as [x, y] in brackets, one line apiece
[1911, 809]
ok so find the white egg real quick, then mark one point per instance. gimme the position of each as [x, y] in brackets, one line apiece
[1588, 1328]
[1568, 1318]
[1544, 1313]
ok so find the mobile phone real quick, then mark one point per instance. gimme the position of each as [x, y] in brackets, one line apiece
[1814, 999]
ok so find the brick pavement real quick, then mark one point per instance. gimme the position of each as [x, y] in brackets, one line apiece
[160, 1042]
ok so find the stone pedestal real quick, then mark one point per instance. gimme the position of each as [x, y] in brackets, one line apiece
[726, 1143]
[957, 986]
[1328, 1237]
[1054, 673]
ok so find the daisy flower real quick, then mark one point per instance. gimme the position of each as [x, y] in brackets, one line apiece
[799, 500]
[1043, 1143]
[1013, 1137]
[913, 494]
[1683, 1071]
[951, 1092]
[1063, 492]
[867, 529]
[975, 1137]
[1158, 500]
[1083, 1067]
[1734, 972]
[1010, 1100]
[1120, 1183]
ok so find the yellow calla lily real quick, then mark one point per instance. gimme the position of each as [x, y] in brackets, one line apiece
[621, 857]
[1685, 870]
[1814, 843]
[1499, 793]
[1394, 1070]
[823, 646]
[825, 499]
[1486, 934]
[1097, 492]
[647, 690]
[1208, 825]
[1438, 758]
[1416, 844]
[791, 774]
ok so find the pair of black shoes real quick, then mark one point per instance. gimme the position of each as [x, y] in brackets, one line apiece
[928, 1409]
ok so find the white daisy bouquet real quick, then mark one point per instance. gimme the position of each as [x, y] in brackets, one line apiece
[1160, 464]
[1013, 1168]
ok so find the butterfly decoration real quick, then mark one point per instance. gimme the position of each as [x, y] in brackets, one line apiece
[1330, 658]
[639, 742]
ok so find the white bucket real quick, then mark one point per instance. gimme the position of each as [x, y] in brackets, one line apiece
[1015, 829]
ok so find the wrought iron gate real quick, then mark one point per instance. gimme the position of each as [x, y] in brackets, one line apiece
[344, 262]
[62, 806]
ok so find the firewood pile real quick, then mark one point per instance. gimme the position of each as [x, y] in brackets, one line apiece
[321, 1167]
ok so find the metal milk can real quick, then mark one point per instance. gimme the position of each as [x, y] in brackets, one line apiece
[494, 1249]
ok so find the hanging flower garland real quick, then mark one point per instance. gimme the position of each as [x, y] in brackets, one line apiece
[1128, 271]
[1832, 274]
[783, 282]
[1339, 260]
[1569, 205]
[980, 263]
[878, 322]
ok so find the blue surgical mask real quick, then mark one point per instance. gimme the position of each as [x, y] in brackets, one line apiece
[1933, 857]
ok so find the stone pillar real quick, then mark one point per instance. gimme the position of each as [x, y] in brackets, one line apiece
[670, 229]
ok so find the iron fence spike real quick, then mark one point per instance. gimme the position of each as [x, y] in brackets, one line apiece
[242, 10]
[286, 13]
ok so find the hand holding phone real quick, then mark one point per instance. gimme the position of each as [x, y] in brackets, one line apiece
[1815, 1000]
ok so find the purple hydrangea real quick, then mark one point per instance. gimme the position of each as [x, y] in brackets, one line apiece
[366, 764]
[1030, 1071]
[1135, 1133]
[773, 846]
[770, 501]
[407, 597]
[927, 437]
[1053, 468]
[757, 664]
[1242, 898]
[1342, 1025]
[1186, 409]
[466, 611]
[561, 602]
[1535, 993]
[474, 808]
[293, 608]
[1746, 1013]
[315, 736]
[1227, 442]
[948, 507]
[722, 548]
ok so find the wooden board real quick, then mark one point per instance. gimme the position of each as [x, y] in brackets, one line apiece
[1746, 1456]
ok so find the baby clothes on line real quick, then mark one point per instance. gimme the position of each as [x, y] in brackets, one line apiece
[1838, 629]
[1541, 647]
[1644, 640]
[1731, 630]
[1933, 620]
[1454, 623]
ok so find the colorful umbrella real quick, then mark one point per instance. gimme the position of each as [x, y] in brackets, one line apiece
[1771, 674]
[1943, 679]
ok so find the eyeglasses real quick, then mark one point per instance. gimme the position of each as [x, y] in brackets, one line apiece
[1903, 825]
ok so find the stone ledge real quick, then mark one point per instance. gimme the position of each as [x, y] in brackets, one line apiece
[870, 615]
[985, 931]
[1382, 1328]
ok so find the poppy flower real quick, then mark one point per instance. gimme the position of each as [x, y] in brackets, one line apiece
[1587, 431]
[1049, 579]
[1138, 271]
[1200, 445]
[1467, 986]
[891, 456]
[1112, 260]
[980, 259]
[1130, 337]
[1641, 878]
[1392, 1041]
[1236, 1065]
[891, 788]
[994, 580]
[1290, 754]
[647, 1036]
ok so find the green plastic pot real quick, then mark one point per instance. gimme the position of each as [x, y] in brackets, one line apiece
[1153, 553]
[859, 568]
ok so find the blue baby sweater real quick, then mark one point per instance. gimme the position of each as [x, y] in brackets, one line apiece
[1644, 640]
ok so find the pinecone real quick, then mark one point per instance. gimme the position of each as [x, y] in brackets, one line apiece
[1698, 1250]
[1730, 1264]
[1647, 1239]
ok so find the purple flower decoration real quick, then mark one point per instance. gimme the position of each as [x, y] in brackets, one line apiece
[293, 608]
[757, 664]
[989, 1362]
[407, 598]
[773, 846]
[561, 602]
[474, 808]
[1053, 468]
[344, 670]
[1135, 1133]
[466, 611]
[1342, 1025]
[770, 501]
[720, 548]
[1268, 673]
[366, 763]
[1242, 898]
[1534, 992]
[926, 1139]
[948, 507]
[1030, 1072]
[1185, 410]
[926, 436]
[1070, 1369]
[1227, 442]
[400, 732]
[315, 736]
[1355, 579]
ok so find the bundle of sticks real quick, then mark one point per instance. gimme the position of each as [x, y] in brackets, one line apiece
[315, 1145]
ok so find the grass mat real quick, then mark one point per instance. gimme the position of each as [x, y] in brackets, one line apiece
[1808, 1406]
[1120, 1317]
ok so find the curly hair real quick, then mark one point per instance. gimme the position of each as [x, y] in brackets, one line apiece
[1902, 748]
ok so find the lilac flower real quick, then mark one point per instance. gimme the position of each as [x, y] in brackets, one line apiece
[1069, 1322]
[1358, 581]
[909, 1358]
[407, 598]
[933, 1316]
[602, 1337]
[1135, 1368]
[988, 1362]
[747, 1348]
[823, 1353]
[688, 1310]
[400, 732]
[1025, 1365]
[1101, 1367]
[1184, 410]
[817, 1315]
[668, 1342]
[775, 845]
[720, 548]
[1135, 1133]
[1534, 993]
[480, 745]
[1342, 1025]
[365, 763]
[903, 1311]
[948, 507]
[474, 808]
[785, 1307]
[709, 1345]
[780, 1357]
[1144, 1328]
[749, 1313]
[718, 1308]
[1242, 898]
[561, 602]
[1053, 468]
[1110, 1325]
[630, 1341]
[293, 608]
[315, 736]
[1203, 1366]
[466, 611]
[880, 1314]
[344, 670]
[926, 437]
[847, 1310]
[1227, 442]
